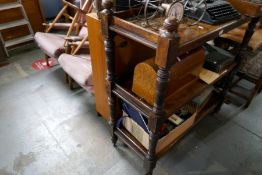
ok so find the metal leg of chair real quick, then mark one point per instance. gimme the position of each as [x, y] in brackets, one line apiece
[47, 60]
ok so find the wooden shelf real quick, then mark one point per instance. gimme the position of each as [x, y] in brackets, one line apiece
[19, 40]
[179, 98]
[131, 141]
[127, 95]
[13, 24]
[196, 37]
[171, 42]
[207, 108]
[173, 102]
[7, 6]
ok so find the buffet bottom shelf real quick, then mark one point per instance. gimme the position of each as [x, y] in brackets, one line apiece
[138, 140]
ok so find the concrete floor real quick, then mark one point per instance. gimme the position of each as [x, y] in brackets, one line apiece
[47, 129]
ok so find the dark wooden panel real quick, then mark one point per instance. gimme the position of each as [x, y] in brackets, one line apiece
[34, 13]
[10, 15]
[15, 32]
[7, 1]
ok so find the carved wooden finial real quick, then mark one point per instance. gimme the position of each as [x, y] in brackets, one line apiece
[107, 4]
[171, 24]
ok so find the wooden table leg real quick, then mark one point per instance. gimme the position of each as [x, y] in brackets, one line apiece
[107, 15]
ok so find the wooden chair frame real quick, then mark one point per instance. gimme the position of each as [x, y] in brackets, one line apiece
[74, 25]
[72, 47]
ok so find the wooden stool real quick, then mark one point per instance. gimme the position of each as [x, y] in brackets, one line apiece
[251, 68]
[251, 71]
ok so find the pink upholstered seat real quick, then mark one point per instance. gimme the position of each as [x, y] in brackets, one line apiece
[51, 44]
[78, 68]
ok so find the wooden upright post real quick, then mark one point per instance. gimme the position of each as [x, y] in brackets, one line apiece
[107, 15]
[165, 58]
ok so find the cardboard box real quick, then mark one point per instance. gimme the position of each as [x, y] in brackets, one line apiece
[143, 137]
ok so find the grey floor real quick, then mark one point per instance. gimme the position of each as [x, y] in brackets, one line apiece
[47, 129]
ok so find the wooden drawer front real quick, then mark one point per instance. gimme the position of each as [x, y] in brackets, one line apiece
[34, 14]
[10, 15]
[15, 32]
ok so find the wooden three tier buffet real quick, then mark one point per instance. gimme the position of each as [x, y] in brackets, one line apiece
[126, 43]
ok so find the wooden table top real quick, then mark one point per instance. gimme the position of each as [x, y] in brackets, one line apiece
[191, 36]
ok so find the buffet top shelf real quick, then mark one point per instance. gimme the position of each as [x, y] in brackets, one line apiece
[191, 36]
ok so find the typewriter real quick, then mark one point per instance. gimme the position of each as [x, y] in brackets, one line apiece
[213, 12]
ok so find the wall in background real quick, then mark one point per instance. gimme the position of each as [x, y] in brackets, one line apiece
[51, 7]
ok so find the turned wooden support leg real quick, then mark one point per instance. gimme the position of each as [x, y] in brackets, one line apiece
[113, 119]
[151, 159]
[165, 58]
[107, 15]
[157, 119]
[47, 60]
